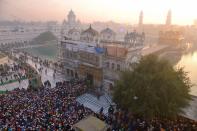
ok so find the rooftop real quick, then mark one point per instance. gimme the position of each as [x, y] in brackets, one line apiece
[116, 50]
[91, 31]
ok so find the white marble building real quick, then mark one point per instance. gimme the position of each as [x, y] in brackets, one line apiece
[24, 33]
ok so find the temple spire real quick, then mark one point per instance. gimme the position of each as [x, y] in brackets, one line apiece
[141, 17]
[169, 18]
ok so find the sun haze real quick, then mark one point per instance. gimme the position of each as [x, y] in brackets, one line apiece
[124, 11]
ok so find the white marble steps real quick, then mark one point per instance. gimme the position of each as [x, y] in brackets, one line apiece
[94, 103]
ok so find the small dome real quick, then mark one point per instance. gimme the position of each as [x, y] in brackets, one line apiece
[90, 30]
[108, 30]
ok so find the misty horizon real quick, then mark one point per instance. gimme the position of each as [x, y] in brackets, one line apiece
[88, 11]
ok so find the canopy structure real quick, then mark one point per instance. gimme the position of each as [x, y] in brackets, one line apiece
[90, 123]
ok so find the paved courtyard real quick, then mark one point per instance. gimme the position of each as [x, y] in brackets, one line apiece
[44, 77]
[48, 75]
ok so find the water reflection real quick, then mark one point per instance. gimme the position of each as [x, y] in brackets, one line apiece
[189, 62]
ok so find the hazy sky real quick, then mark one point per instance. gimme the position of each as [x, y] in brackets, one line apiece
[124, 11]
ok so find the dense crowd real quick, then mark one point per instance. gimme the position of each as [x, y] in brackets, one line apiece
[11, 72]
[123, 120]
[57, 109]
[48, 108]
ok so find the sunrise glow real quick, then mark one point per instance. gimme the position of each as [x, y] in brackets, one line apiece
[124, 11]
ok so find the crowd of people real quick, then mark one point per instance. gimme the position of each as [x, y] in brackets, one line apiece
[57, 109]
[12, 72]
[48, 108]
[123, 120]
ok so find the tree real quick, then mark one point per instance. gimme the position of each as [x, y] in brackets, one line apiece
[153, 88]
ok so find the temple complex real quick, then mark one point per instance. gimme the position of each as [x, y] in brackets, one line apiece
[98, 56]
[171, 38]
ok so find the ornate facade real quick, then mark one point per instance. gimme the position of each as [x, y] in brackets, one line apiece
[97, 57]
[82, 60]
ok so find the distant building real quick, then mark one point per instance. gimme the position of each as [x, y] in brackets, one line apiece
[70, 23]
[141, 17]
[71, 18]
[195, 23]
[23, 33]
[169, 18]
[173, 38]
[134, 39]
